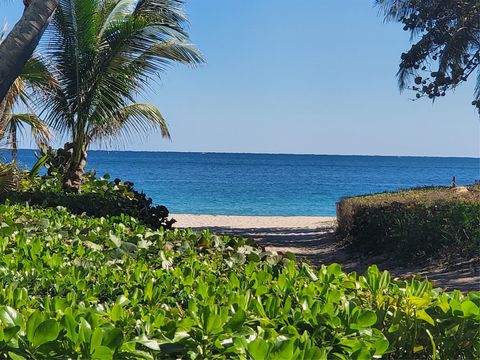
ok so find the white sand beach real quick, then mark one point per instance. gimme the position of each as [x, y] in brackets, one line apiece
[252, 222]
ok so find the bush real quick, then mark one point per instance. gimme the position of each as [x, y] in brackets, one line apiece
[102, 288]
[411, 224]
[99, 197]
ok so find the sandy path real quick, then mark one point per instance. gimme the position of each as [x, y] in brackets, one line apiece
[312, 238]
[252, 222]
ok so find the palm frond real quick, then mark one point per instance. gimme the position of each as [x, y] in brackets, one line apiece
[40, 131]
[8, 178]
[104, 54]
[120, 11]
[132, 119]
[38, 75]
[13, 125]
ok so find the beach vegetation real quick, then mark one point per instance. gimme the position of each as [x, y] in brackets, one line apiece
[99, 288]
[101, 196]
[441, 222]
[446, 47]
[103, 55]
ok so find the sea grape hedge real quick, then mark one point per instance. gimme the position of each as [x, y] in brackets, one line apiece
[417, 223]
[102, 288]
[99, 197]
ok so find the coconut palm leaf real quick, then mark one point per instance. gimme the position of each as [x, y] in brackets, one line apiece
[104, 55]
[8, 178]
[13, 125]
[42, 160]
[132, 119]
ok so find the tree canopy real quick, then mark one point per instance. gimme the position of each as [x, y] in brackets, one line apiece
[446, 44]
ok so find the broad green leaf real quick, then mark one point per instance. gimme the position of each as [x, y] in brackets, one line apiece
[422, 314]
[102, 353]
[470, 309]
[381, 346]
[334, 269]
[261, 290]
[362, 354]
[8, 333]
[32, 323]
[13, 356]
[149, 343]
[237, 320]
[112, 338]
[10, 317]
[70, 326]
[148, 290]
[114, 241]
[284, 351]
[365, 319]
[84, 331]
[259, 349]
[116, 312]
[309, 272]
[96, 339]
[419, 301]
[45, 332]
[315, 353]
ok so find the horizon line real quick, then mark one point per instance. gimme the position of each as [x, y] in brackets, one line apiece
[273, 153]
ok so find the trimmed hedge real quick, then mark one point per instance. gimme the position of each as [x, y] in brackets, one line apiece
[417, 223]
[99, 197]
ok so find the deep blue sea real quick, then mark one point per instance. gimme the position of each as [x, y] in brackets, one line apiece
[266, 184]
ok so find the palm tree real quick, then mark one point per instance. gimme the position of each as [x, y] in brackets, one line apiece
[22, 41]
[103, 54]
[34, 80]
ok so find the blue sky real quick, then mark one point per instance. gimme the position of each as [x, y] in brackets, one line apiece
[304, 76]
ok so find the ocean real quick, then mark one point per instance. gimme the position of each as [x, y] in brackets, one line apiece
[269, 184]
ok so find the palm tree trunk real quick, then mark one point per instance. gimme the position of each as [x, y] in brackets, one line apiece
[20, 43]
[72, 179]
[73, 176]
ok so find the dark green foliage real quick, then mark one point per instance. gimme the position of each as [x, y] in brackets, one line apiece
[446, 49]
[413, 224]
[100, 197]
[85, 288]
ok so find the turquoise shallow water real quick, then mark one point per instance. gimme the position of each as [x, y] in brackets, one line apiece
[266, 184]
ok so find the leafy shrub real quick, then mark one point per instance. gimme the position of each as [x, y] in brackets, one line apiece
[102, 288]
[415, 223]
[99, 197]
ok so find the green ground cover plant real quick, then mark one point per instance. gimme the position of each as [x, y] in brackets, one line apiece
[99, 197]
[101, 288]
[413, 224]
